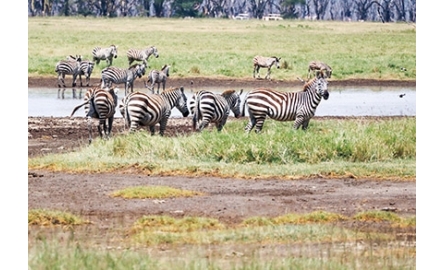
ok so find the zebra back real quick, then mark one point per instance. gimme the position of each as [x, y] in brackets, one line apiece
[267, 62]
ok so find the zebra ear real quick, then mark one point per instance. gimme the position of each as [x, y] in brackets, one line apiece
[240, 93]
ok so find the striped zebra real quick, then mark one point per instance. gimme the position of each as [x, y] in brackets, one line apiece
[140, 109]
[115, 75]
[68, 67]
[86, 69]
[264, 62]
[208, 107]
[297, 106]
[314, 66]
[99, 104]
[141, 55]
[107, 54]
[159, 77]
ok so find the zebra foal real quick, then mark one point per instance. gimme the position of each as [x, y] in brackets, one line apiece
[298, 106]
[141, 55]
[115, 75]
[314, 66]
[264, 62]
[107, 54]
[159, 77]
[99, 104]
[140, 109]
[208, 107]
[68, 67]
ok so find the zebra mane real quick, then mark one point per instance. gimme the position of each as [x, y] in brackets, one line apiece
[164, 67]
[308, 84]
[134, 65]
[171, 89]
[228, 92]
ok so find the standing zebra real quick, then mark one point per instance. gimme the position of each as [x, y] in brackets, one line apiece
[298, 106]
[140, 109]
[86, 69]
[208, 107]
[117, 75]
[99, 104]
[158, 77]
[105, 54]
[319, 66]
[264, 62]
[68, 67]
[141, 55]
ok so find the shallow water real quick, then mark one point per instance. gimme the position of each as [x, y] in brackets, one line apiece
[343, 101]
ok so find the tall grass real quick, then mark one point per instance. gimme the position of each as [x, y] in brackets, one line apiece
[362, 148]
[225, 48]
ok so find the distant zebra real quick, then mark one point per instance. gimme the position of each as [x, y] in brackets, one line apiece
[319, 66]
[140, 109]
[264, 62]
[158, 77]
[86, 69]
[115, 75]
[99, 104]
[298, 106]
[208, 107]
[68, 67]
[141, 55]
[107, 54]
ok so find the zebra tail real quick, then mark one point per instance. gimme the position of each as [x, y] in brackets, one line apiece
[243, 106]
[78, 107]
[196, 113]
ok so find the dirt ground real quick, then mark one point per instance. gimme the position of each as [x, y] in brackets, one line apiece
[229, 200]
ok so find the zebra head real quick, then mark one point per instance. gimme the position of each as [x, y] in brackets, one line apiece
[181, 100]
[234, 100]
[321, 85]
[166, 70]
[114, 50]
[276, 62]
[154, 51]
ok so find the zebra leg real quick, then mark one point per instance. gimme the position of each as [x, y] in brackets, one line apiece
[88, 119]
[74, 79]
[99, 127]
[110, 126]
[152, 129]
[259, 124]
[250, 124]
[298, 122]
[63, 80]
[268, 73]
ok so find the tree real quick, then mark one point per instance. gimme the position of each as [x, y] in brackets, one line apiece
[362, 8]
[291, 8]
[320, 7]
[185, 8]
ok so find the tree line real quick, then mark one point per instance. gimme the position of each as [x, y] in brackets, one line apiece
[343, 10]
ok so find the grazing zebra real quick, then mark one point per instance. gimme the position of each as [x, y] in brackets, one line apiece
[68, 67]
[319, 66]
[264, 62]
[208, 107]
[140, 109]
[298, 106]
[99, 104]
[105, 54]
[117, 75]
[159, 77]
[141, 55]
[86, 68]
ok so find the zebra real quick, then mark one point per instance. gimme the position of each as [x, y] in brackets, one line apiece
[99, 104]
[105, 54]
[140, 109]
[297, 106]
[117, 75]
[141, 55]
[86, 69]
[158, 77]
[68, 67]
[264, 62]
[209, 107]
[318, 65]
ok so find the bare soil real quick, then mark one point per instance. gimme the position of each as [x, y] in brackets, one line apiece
[229, 200]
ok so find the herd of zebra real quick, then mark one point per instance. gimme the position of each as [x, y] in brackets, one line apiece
[142, 109]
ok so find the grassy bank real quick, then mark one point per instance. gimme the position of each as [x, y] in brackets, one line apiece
[333, 148]
[225, 48]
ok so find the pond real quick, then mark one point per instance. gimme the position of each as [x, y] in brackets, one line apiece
[343, 101]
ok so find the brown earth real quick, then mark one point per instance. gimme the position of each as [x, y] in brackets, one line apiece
[229, 200]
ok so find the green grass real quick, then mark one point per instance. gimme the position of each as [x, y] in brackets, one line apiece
[377, 148]
[225, 48]
[153, 192]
